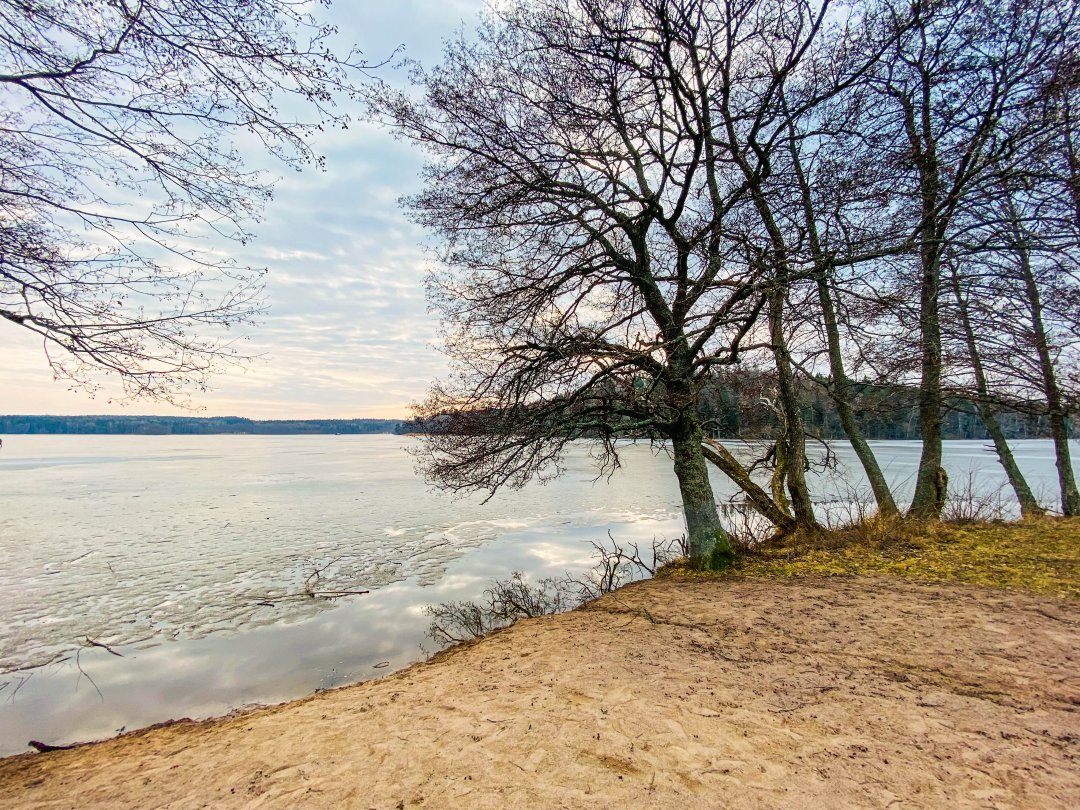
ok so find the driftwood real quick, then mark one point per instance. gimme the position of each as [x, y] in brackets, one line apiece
[44, 748]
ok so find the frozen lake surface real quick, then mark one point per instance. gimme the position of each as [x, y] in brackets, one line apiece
[189, 556]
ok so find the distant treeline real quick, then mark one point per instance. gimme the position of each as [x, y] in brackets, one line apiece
[191, 425]
[742, 406]
[733, 407]
[738, 407]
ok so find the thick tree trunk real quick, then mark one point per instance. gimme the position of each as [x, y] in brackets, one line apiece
[794, 437]
[708, 541]
[931, 482]
[1070, 499]
[839, 389]
[1029, 506]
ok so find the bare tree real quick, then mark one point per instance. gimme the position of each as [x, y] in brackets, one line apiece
[124, 128]
[1015, 282]
[961, 89]
[970, 327]
[593, 183]
[803, 155]
[1028, 309]
[633, 196]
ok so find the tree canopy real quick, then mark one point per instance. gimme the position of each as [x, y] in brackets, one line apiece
[635, 198]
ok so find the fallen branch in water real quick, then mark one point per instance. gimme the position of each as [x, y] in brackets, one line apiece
[269, 600]
[105, 647]
[337, 593]
[316, 575]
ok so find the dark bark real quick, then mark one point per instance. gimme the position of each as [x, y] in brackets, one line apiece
[1059, 429]
[839, 385]
[757, 497]
[703, 528]
[928, 500]
[1059, 426]
[1029, 505]
[793, 454]
[839, 389]
[1055, 404]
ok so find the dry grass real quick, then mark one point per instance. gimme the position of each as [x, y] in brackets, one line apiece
[1042, 556]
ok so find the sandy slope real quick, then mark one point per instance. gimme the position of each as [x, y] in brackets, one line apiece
[828, 693]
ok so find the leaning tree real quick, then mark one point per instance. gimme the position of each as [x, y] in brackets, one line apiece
[957, 106]
[125, 126]
[596, 183]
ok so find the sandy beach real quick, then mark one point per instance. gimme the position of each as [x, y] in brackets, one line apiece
[839, 692]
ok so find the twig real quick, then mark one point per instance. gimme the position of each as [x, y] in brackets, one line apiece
[11, 697]
[105, 647]
[317, 573]
[424, 550]
[83, 672]
[336, 593]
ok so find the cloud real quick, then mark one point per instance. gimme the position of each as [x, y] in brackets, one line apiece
[347, 332]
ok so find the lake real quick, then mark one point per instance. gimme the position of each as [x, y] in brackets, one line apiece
[188, 558]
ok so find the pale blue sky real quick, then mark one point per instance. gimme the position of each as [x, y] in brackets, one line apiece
[347, 333]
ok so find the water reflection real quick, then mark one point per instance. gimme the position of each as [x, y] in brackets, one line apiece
[175, 551]
[361, 637]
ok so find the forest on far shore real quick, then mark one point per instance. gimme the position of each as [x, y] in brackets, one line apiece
[741, 405]
[190, 425]
[731, 406]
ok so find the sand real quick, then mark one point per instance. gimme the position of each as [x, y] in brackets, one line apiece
[839, 693]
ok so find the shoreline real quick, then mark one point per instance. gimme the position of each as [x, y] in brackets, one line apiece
[852, 691]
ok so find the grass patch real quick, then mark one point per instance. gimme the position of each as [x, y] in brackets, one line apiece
[1038, 555]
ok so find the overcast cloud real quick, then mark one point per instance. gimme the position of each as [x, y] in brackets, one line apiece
[347, 333]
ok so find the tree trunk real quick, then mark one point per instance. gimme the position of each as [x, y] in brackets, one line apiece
[840, 385]
[1059, 426]
[794, 436]
[1070, 498]
[757, 497]
[929, 498]
[1029, 506]
[839, 389]
[931, 481]
[930, 492]
[709, 543]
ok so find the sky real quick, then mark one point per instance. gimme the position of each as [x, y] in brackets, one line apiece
[347, 333]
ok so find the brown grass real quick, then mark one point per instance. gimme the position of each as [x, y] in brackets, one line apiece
[1042, 556]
